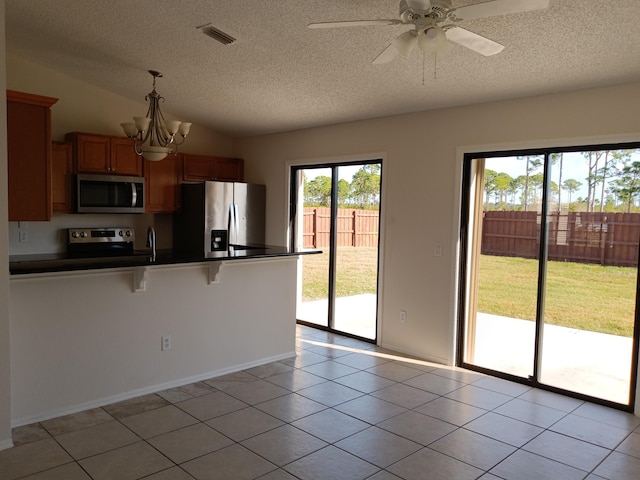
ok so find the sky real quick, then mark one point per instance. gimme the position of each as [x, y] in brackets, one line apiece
[574, 165]
[344, 172]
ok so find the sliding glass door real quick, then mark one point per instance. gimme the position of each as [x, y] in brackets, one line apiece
[336, 208]
[503, 284]
[550, 244]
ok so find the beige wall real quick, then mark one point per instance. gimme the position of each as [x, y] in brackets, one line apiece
[421, 186]
[5, 363]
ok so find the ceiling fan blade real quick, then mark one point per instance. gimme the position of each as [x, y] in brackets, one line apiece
[353, 23]
[473, 41]
[386, 55]
[498, 7]
[421, 5]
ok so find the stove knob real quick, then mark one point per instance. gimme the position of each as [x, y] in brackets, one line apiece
[120, 233]
[128, 233]
[74, 235]
[83, 234]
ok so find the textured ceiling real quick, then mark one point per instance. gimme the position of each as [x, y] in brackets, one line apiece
[280, 75]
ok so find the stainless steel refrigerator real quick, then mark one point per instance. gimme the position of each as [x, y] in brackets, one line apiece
[216, 215]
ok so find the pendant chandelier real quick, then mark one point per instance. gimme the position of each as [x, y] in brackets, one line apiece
[153, 137]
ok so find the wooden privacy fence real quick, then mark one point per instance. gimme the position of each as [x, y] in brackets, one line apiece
[356, 228]
[602, 238]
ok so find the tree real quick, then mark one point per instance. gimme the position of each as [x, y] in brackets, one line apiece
[554, 190]
[533, 163]
[555, 159]
[571, 185]
[502, 183]
[535, 184]
[627, 185]
[489, 183]
[520, 183]
[344, 190]
[318, 191]
[619, 158]
[597, 175]
[514, 186]
[602, 178]
[365, 185]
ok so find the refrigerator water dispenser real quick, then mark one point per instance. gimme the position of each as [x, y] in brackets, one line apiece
[219, 240]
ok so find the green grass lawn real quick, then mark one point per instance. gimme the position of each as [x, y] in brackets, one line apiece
[356, 272]
[583, 296]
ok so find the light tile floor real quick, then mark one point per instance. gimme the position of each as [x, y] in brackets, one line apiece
[341, 409]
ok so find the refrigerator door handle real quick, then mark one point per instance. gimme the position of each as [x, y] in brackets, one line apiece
[233, 224]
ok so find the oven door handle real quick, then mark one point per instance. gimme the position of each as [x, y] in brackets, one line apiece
[134, 194]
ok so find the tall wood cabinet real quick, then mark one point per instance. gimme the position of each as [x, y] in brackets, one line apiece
[29, 156]
[62, 177]
[162, 184]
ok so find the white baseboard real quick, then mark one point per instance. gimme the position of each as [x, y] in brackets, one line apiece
[420, 355]
[79, 407]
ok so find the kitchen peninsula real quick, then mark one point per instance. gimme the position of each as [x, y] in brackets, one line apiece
[91, 339]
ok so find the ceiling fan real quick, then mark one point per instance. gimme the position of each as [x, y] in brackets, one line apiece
[436, 25]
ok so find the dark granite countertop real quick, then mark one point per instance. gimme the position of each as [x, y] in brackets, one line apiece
[62, 262]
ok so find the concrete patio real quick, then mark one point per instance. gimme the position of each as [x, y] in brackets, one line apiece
[355, 314]
[591, 363]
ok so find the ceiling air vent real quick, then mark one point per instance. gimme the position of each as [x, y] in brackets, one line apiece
[219, 35]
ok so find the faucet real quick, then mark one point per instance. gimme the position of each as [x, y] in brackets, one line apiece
[151, 242]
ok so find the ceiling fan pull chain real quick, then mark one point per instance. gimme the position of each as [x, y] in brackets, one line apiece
[435, 65]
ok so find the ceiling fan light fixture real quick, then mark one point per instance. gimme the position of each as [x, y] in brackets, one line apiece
[406, 42]
[432, 39]
[426, 17]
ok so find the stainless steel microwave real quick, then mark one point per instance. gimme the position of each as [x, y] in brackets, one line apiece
[110, 194]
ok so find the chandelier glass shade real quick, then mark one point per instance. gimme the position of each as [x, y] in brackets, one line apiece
[153, 137]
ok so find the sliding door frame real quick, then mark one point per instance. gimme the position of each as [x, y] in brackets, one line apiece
[463, 271]
[294, 216]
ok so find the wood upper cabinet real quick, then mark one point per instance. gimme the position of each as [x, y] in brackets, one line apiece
[162, 184]
[95, 153]
[199, 168]
[29, 156]
[62, 177]
[228, 169]
[124, 160]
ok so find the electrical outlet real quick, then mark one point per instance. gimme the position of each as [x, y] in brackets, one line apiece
[437, 250]
[24, 235]
[403, 316]
[166, 343]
